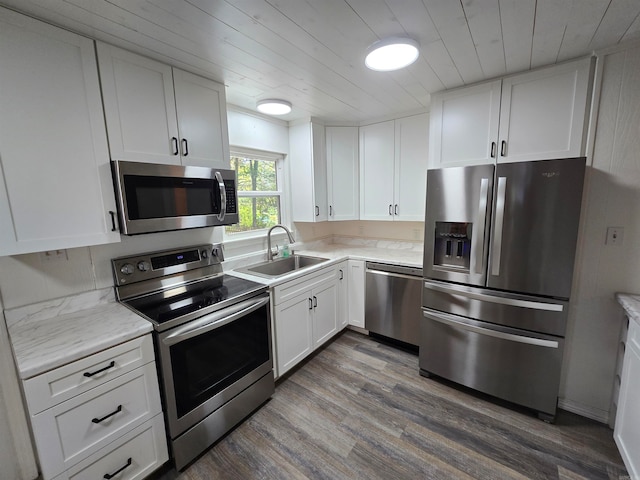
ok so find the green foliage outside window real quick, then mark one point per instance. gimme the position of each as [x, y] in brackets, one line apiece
[258, 202]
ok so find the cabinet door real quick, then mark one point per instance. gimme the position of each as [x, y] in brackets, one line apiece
[293, 331]
[55, 180]
[308, 172]
[140, 107]
[377, 151]
[627, 428]
[342, 173]
[412, 150]
[202, 120]
[325, 312]
[464, 126]
[356, 292]
[543, 113]
[343, 295]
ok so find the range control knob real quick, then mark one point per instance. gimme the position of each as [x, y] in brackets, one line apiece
[204, 253]
[127, 269]
[143, 266]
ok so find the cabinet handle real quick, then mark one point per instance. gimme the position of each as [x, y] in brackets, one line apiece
[113, 220]
[341, 274]
[390, 209]
[503, 148]
[111, 475]
[176, 151]
[330, 210]
[317, 211]
[185, 147]
[98, 420]
[395, 210]
[315, 301]
[493, 149]
[310, 304]
[91, 374]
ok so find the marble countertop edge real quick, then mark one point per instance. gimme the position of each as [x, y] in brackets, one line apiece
[631, 304]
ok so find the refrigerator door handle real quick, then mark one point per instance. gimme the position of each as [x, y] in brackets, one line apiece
[497, 229]
[451, 321]
[478, 242]
[511, 302]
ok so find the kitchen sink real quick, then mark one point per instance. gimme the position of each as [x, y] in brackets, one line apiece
[282, 266]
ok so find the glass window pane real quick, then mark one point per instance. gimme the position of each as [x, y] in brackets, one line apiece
[255, 175]
[256, 213]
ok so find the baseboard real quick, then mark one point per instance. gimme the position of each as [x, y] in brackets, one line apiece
[578, 408]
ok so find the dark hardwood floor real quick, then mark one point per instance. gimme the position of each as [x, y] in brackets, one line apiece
[358, 409]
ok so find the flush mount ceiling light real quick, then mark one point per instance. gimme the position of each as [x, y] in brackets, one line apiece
[274, 106]
[391, 54]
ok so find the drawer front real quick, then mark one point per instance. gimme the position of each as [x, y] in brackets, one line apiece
[136, 455]
[293, 288]
[50, 388]
[77, 428]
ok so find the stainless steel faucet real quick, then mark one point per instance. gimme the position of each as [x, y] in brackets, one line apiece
[269, 252]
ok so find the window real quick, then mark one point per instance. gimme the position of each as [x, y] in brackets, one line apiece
[259, 190]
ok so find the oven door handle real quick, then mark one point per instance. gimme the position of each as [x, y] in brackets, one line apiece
[214, 320]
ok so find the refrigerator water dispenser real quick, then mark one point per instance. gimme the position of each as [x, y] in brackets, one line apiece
[452, 245]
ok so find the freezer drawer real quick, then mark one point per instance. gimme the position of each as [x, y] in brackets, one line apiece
[537, 314]
[507, 363]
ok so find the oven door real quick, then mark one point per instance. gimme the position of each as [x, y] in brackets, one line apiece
[210, 360]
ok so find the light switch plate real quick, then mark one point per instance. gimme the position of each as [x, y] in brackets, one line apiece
[615, 235]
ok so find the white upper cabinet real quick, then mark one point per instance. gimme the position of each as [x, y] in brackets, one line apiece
[308, 167]
[393, 166]
[156, 113]
[377, 163]
[410, 174]
[55, 180]
[464, 125]
[202, 120]
[342, 173]
[543, 113]
[537, 115]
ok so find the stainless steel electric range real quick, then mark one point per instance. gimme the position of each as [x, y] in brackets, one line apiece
[212, 337]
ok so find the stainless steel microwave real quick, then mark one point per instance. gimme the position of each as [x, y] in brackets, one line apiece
[156, 198]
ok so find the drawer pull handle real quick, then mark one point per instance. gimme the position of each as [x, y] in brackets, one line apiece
[111, 475]
[98, 420]
[91, 374]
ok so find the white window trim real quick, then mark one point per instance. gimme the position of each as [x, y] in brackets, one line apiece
[247, 238]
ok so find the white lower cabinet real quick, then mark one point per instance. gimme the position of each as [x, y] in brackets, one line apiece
[343, 294]
[627, 428]
[307, 314]
[84, 412]
[356, 281]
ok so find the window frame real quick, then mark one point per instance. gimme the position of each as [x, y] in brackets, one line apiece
[278, 158]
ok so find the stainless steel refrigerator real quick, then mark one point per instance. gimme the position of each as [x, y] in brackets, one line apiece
[499, 254]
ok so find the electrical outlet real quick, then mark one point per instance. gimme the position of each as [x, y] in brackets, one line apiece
[53, 256]
[615, 235]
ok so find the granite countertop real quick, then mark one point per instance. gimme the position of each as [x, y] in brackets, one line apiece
[50, 334]
[631, 305]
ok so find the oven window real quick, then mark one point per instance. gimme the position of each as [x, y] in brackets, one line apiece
[206, 364]
[159, 197]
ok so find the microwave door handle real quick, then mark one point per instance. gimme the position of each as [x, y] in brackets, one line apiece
[223, 196]
[497, 229]
[478, 241]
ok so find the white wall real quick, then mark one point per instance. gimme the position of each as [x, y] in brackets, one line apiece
[612, 199]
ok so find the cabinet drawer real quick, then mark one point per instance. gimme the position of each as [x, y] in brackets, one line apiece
[51, 388]
[145, 446]
[72, 430]
[291, 289]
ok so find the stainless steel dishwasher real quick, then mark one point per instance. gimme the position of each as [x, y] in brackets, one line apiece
[393, 305]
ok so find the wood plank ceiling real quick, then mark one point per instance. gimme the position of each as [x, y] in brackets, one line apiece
[311, 52]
